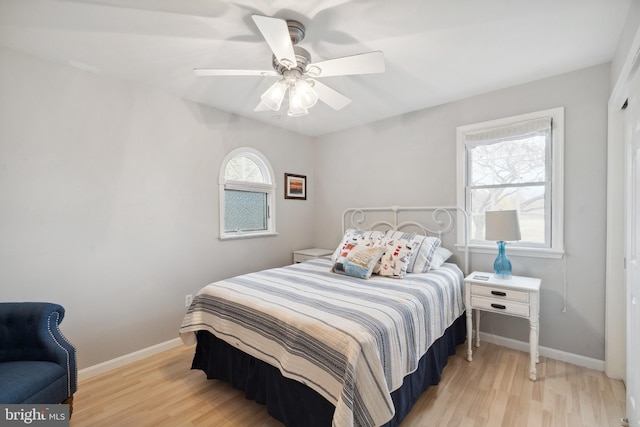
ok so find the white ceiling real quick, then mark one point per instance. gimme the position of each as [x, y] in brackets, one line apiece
[436, 51]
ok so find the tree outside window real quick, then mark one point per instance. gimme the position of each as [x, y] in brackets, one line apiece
[514, 163]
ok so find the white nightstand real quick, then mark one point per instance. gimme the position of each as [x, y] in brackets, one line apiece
[305, 254]
[518, 296]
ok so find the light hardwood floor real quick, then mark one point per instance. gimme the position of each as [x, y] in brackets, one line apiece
[493, 390]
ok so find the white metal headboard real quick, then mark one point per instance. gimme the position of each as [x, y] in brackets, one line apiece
[428, 220]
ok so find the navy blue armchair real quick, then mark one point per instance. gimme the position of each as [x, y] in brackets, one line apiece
[37, 363]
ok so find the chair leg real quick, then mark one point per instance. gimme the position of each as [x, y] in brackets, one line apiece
[69, 401]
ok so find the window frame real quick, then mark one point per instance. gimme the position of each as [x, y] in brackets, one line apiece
[268, 188]
[555, 165]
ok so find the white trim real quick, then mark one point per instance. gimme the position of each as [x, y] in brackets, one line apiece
[615, 343]
[118, 362]
[615, 297]
[269, 188]
[575, 359]
[557, 172]
[259, 159]
[514, 251]
[247, 235]
[121, 361]
[248, 186]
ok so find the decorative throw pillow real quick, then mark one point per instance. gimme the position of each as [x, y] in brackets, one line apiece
[440, 256]
[396, 258]
[358, 261]
[423, 249]
[353, 236]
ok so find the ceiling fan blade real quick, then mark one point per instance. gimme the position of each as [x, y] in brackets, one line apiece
[364, 63]
[331, 97]
[217, 72]
[276, 33]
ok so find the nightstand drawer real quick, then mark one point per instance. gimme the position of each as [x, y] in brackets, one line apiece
[495, 292]
[499, 305]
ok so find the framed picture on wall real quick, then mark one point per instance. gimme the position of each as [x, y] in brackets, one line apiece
[295, 186]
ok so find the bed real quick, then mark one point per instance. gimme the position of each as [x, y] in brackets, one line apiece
[320, 344]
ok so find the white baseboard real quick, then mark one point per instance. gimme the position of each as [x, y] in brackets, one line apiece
[551, 353]
[118, 362]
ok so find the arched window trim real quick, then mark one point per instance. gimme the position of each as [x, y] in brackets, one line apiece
[268, 187]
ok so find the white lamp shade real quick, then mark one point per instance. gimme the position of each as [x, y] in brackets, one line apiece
[502, 226]
[273, 96]
[307, 96]
[296, 106]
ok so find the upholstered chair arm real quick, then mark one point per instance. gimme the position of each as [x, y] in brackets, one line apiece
[30, 331]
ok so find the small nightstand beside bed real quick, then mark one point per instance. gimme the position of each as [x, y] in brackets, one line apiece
[320, 347]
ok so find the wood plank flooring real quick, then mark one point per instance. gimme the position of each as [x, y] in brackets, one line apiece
[493, 390]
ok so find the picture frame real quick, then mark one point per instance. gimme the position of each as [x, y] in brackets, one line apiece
[295, 186]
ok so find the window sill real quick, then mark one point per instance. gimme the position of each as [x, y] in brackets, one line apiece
[514, 251]
[246, 236]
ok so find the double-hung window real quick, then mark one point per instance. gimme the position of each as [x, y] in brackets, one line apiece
[246, 195]
[515, 163]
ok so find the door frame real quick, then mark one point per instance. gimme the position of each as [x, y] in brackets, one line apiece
[615, 288]
[615, 291]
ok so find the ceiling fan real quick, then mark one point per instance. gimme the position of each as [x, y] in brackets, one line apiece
[298, 74]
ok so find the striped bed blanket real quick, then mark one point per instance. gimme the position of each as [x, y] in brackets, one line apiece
[351, 340]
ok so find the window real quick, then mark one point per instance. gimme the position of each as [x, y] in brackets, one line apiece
[515, 163]
[246, 195]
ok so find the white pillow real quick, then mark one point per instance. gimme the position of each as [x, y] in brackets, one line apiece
[440, 256]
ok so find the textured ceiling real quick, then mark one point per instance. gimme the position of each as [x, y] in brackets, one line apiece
[436, 51]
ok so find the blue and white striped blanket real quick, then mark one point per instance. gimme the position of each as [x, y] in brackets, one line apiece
[351, 340]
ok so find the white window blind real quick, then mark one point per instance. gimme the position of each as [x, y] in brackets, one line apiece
[514, 163]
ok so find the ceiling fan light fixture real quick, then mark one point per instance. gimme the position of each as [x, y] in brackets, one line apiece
[296, 106]
[286, 63]
[272, 98]
[313, 70]
[297, 112]
[306, 96]
[298, 73]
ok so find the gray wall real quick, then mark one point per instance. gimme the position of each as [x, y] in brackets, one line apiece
[626, 39]
[109, 198]
[109, 202]
[411, 160]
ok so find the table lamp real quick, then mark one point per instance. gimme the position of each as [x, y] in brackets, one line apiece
[502, 226]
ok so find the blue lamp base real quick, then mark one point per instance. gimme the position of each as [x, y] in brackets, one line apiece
[502, 265]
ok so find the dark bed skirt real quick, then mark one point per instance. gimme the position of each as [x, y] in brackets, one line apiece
[297, 405]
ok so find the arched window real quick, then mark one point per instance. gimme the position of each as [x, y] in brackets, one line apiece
[247, 189]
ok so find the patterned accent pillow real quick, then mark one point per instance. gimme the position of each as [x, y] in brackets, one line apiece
[358, 261]
[353, 236]
[423, 249]
[396, 258]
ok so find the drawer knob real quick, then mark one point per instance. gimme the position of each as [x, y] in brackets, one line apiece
[498, 293]
[500, 306]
